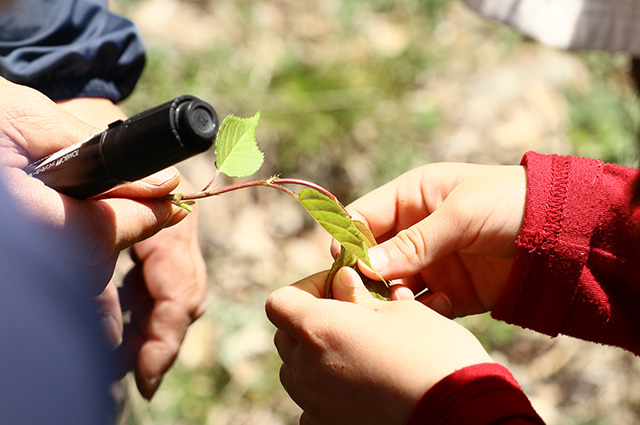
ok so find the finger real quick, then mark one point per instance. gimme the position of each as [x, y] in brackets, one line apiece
[154, 186]
[115, 224]
[313, 284]
[407, 199]
[164, 334]
[157, 329]
[134, 299]
[287, 308]
[415, 248]
[285, 345]
[335, 248]
[378, 208]
[155, 333]
[438, 302]
[401, 292]
[98, 228]
[174, 274]
[288, 383]
[133, 293]
[410, 220]
[127, 353]
[348, 286]
[174, 269]
[111, 314]
[100, 274]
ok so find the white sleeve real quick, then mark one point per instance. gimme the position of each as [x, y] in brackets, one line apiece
[611, 25]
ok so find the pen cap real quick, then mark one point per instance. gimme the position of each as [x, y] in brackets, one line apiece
[159, 137]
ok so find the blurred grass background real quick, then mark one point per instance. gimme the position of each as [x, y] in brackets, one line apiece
[353, 94]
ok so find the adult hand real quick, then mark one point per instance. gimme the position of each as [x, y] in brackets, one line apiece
[165, 291]
[31, 127]
[364, 361]
[450, 228]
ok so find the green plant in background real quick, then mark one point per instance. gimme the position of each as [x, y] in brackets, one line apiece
[327, 95]
[605, 117]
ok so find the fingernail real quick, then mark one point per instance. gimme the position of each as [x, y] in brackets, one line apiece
[178, 215]
[440, 303]
[346, 286]
[161, 177]
[379, 259]
[111, 330]
[401, 292]
[152, 385]
[345, 276]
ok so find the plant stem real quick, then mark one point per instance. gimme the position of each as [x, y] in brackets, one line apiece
[310, 185]
[276, 183]
[213, 179]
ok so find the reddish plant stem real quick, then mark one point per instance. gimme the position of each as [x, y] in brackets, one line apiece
[276, 183]
[213, 179]
[310, 185]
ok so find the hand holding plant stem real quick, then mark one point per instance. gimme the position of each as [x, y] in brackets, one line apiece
[238, 155]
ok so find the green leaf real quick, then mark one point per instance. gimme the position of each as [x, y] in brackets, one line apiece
[365, 232]
[336, 221]
[354, 236]
[345, 259]
[377, 288]
[237, 153]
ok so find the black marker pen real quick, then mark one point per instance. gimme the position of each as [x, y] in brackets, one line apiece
[131, 149]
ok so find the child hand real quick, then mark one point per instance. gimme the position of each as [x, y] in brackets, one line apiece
[450, 228]
[363, 361]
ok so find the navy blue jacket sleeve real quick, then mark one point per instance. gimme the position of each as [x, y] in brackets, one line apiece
[70, 48]
[56, 367]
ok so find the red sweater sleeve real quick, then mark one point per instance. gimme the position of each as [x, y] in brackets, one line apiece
[577, 266]
[483, 394]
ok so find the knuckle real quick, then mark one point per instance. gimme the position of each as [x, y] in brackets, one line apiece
[412, 245]
[272, 305]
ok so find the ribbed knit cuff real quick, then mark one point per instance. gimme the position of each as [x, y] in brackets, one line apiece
[476, 395]
[552, 250]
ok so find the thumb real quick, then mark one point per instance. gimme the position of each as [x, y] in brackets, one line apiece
[348, 286]
[415, 248]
